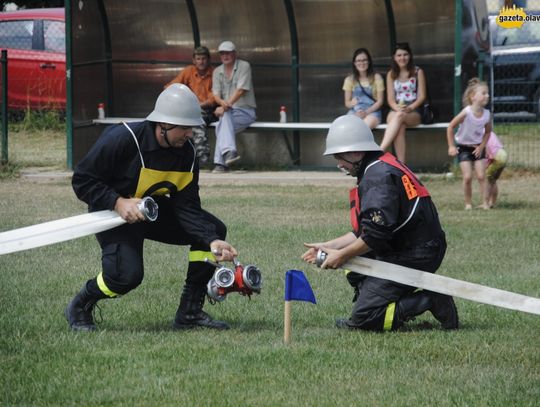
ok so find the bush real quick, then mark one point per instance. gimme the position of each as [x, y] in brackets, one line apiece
[36, 120]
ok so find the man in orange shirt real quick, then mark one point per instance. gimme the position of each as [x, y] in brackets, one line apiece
[198, 77]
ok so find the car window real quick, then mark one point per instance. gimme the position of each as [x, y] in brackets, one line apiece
[481, 19]
[16, 34]
[528, 34]
[54, 36]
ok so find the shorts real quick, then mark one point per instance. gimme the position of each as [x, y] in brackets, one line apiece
[496, 167]
[465, 153]
[376, 113]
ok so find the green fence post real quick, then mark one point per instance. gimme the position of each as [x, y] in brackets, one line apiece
[295, 77]
[4, 107]
[69, 89]
[480, 64]
[457, 57]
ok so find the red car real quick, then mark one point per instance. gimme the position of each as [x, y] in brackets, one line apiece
[36, 46]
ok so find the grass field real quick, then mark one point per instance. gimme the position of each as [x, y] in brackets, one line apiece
[521, 142]
[137, 360]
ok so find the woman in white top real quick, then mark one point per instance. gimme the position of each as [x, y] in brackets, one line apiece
[406, 92]
[364, 89]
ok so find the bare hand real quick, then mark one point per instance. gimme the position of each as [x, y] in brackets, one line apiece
[334, 259]
[452, 151]
[223, 251]
[128, 210]
[477, 152]
[220, 111]
[407, 109]
[311, 255]
[361, 114]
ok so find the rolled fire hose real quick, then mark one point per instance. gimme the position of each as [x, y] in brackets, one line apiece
[60, 230]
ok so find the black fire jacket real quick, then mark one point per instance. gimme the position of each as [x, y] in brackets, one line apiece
[399, 229]
[112, 167]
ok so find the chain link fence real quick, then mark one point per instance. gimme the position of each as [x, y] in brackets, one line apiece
[514, 78]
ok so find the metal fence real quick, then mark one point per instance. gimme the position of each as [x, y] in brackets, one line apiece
[514, 78]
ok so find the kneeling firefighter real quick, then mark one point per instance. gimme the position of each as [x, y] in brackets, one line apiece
[393, 220]
[155, 158]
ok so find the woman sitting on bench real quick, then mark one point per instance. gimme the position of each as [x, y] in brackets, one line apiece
[406, 86]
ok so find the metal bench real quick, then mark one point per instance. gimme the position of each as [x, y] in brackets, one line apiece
[285, 128]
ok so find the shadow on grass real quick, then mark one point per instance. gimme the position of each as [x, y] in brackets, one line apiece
[428, 326]
[166, 326]
[516, 205]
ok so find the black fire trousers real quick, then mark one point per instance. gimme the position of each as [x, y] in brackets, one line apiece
[122, 252]
[375, 298]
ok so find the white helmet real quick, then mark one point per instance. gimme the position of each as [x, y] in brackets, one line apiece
[349, 133]
[177, 105]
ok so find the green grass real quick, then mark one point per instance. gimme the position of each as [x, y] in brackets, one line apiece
[521, 142]
[136, 359]
[37, 148]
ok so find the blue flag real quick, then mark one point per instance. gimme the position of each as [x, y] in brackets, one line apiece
[297, 287]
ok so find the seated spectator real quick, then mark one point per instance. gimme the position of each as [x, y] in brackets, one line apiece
[198, 77]
[406, 92]
[364, 89]
[233, 90]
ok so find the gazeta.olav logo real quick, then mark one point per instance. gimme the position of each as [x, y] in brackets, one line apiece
[514, 17]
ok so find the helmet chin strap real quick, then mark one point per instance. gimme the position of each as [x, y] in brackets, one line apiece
[356, 166]
[163, 133]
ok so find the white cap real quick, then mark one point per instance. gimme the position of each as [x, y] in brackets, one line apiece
[226, 46]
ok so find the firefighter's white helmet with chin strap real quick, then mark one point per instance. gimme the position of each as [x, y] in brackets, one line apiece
[177, 105]
[349, 133]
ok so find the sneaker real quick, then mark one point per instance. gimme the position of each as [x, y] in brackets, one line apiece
[444, 310]
[220, 169]
[230, 157]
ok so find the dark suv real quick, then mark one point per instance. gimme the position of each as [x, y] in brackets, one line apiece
[515, 54]
[35, 42]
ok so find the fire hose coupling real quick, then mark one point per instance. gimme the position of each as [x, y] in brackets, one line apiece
[149, 208]
[245, 280]
[321, 257]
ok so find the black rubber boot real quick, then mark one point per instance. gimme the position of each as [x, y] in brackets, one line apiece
[444, 310]
[78, 313]
[344, 323]
[190, 313]
[441, 306]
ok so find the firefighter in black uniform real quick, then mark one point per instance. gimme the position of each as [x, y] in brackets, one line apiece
[393, 220]
[154, 158]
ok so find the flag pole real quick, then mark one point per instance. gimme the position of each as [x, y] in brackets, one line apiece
[287, 326]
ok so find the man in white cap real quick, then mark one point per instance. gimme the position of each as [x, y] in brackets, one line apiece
[232, 87]
[393, 219]
[155, 158]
